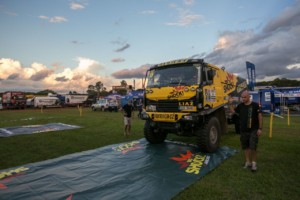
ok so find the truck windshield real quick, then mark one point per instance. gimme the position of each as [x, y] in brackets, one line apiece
[174, 76]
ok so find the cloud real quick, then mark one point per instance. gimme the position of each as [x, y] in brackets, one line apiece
[126, 46]
[274, 50]
[38, 77]
[76, 42]
[13, 76]
[44, 17]
[9, 67]
[289, 18]
[132, 73]
[61, 79]
[76, 6]
[87, 65]
[293, 66]
[6, 11]
[117, 60]
[122, 43]
[186, 17]
[189, 2]
[41, 74]
[55, 19]
[148, 12]
[77, 77]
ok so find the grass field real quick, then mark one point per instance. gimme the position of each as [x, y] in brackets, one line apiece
[278, 175]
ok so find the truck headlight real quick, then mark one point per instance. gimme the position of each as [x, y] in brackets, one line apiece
[144, 115]
[187, 117]
[151, 108]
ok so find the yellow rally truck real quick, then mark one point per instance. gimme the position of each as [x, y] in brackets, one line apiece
[188, 97]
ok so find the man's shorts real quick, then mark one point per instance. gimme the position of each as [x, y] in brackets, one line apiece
[127, 120]
[249, 140]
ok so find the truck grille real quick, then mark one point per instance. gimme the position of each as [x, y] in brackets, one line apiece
[165, 106]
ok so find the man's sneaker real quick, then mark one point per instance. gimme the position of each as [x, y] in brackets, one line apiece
[254, 167]
[247, 165]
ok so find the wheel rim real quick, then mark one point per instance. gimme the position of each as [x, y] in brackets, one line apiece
[213, 135]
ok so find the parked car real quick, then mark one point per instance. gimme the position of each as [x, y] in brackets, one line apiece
[113, 107]
[101, 104]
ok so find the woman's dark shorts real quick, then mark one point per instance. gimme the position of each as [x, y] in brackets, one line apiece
[249, 140]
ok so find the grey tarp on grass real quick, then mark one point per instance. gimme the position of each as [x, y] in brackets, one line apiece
[133, 170]
[30, 129]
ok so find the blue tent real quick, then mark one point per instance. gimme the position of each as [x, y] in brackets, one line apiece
[134, 96]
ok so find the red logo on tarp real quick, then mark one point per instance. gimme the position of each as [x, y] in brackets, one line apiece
[70, 197]
[8, 175]
[192, 163]
[182, 160]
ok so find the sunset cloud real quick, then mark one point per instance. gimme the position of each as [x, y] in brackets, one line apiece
[38, 77]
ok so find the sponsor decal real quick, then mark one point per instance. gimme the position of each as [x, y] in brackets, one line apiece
[125, 148]
[8, 175]
[186, 103]
[79, 97]
[175, 94]
[191, 163]
[241, 86]
[210, 95]
[229, 82]
[179, 88]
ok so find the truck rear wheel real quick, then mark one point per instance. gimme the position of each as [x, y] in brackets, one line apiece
[153, 136]
[208, 137]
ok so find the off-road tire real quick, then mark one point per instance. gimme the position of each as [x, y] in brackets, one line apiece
[208, 136]
[152, 136]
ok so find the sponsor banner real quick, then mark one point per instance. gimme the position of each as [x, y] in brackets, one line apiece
[251, 75]
[30, 129]
[131, 170]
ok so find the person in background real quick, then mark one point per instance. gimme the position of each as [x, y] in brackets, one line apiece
[127, 111]
[251, 122]
[234, 117]
[140, 108]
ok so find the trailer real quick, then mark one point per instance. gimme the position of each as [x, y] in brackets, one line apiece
[46, 102]
[75, 99]
[13, 100]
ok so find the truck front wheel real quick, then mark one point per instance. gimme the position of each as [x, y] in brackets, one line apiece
[154, 136]
[208, 137]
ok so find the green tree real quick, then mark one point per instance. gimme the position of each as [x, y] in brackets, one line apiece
[46, 92]
[284, 82]
[123, 83]
[97, 90]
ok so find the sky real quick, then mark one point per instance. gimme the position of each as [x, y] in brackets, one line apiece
[67, 45]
